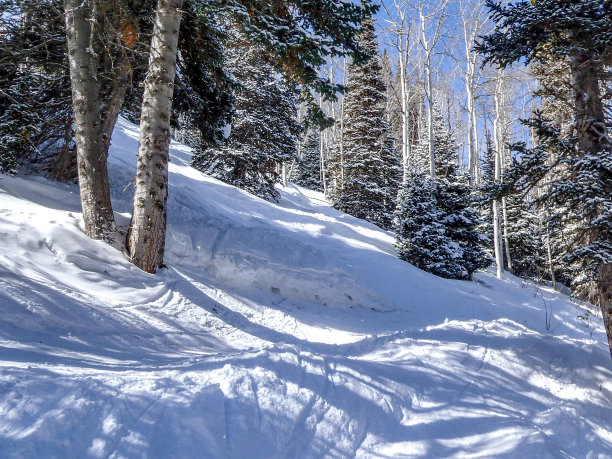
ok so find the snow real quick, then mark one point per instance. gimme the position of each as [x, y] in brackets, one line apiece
[277, 330]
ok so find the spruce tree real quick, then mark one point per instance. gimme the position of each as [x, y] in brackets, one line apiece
[35, 106]
[525, 237]
[307, 169]
[371, 165]
[579, 33]
[422, 238]
[450, 203]
[264, 126]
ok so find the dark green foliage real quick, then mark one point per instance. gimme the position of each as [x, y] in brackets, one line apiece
[577, 202]
[298, 35]
[371, 165]
[461, 220]
[421, 232]
[203, 97]
[573, 170]
[447, 210]
[264, 127]
[35, 98]
[307, 170]
[539, 30]
[526, 239]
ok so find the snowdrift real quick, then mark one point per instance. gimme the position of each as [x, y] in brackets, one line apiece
[277, 330]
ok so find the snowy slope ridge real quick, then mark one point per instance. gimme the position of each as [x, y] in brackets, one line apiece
[277, 330]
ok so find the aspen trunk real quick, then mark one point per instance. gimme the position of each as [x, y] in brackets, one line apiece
[322, 161]
[551, 267]
[342, 129]
[147, 233]
[470, 109]
[506, 238]
[430, 132]
[404, 96]
[497, 214]
[91, 150]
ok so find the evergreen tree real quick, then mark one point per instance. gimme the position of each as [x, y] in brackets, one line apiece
[525, 239]
[577, 32]
[450, 204]
[35, 105]
[422, 238]
[264, 127]
[203, 97]
[485, 192]
[307, 170]
[371, 165]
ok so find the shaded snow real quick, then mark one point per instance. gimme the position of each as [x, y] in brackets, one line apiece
[277, 330]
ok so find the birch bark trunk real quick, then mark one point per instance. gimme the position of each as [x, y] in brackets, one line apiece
[497, 216]
[91, 150]
[147, 233]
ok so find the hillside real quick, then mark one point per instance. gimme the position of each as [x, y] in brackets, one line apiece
[277, 330]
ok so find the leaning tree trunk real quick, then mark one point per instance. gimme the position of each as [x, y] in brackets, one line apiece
[590, 125]
[147, 233]
[91, 154]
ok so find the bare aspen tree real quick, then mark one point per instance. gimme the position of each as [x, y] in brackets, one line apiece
[473, 22]
[322, 162]
[400, 23]
[341, 140]
[498, 142]
[432, 18]
[147, 233]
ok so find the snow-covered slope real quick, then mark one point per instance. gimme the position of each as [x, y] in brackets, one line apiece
[277, 330]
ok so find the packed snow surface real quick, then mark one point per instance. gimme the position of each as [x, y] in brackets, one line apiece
[276, 330]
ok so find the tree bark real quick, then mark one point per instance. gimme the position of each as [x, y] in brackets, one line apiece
[430, 132]
[147, 232]
[591, 129]
[497, 213]
[94, 187]
[605, 299]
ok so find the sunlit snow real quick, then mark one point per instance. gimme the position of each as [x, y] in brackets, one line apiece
[277, 330]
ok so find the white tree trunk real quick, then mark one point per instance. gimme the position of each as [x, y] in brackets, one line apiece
[344, 80]
[477, 171]
[146, 238]
[404, 96]
[284, 173]
[430, 131]
[437, 16]
[91, 150]
[322, 165]
[497, 217]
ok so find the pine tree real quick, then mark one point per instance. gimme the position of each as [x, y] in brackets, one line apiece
[35, 106]
[449, 203]
[579, 33]
[422, 238]
[307, 170]
[525, 237]
[371, 167]
[264, 127]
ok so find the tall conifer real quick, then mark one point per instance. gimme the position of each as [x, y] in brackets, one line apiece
[371, 164]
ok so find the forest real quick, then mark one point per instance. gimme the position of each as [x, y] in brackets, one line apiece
[474, 132]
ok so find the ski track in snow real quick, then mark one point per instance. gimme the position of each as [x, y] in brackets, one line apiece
[278, 330]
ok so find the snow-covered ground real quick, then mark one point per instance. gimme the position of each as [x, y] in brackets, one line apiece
[277, 330]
